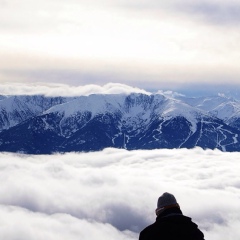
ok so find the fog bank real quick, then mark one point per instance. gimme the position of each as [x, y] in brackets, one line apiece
[112, 194]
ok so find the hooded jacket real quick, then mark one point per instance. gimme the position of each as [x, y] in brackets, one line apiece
[172, 225]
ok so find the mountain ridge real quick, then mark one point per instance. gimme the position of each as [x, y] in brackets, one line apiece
[43, 125]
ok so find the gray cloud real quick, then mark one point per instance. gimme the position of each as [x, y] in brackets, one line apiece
[217, 13]
[112, 194]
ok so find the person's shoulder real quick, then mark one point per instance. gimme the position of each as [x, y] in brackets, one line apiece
[144, 234]
[148, 228]
[191, 227]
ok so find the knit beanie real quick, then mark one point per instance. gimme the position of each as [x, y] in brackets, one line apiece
[166, 199]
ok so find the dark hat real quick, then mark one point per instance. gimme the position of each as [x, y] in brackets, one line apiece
[166, 199]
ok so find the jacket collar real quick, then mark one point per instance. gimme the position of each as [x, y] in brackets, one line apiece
[169, 211]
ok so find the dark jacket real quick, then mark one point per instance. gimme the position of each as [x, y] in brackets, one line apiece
[172, 225]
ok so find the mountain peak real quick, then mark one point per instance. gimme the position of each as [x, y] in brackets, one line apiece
[38, 124]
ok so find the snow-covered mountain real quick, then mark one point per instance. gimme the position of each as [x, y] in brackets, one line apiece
[225, 108]
[16, 109]
[38, 124]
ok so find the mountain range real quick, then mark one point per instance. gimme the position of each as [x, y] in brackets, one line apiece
[43, 125]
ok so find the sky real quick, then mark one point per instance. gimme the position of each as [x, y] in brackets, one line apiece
[112, 194]
[147, 44]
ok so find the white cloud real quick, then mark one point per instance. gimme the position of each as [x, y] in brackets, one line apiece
[112, 194]
[67, 90]
[20, 223]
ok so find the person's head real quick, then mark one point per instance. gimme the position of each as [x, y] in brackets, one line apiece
[166, 201]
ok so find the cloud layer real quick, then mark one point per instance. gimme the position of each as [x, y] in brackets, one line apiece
[67, 90]
[112, 194]
[161, 43]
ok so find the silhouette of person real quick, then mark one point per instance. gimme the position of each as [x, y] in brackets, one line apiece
[170, 223]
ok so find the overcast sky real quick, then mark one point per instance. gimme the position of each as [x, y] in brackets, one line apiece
[113, 194]
[142, 43]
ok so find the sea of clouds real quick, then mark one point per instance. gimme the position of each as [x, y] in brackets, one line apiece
[112, 194]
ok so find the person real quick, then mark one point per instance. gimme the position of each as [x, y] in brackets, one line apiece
[170, 223]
